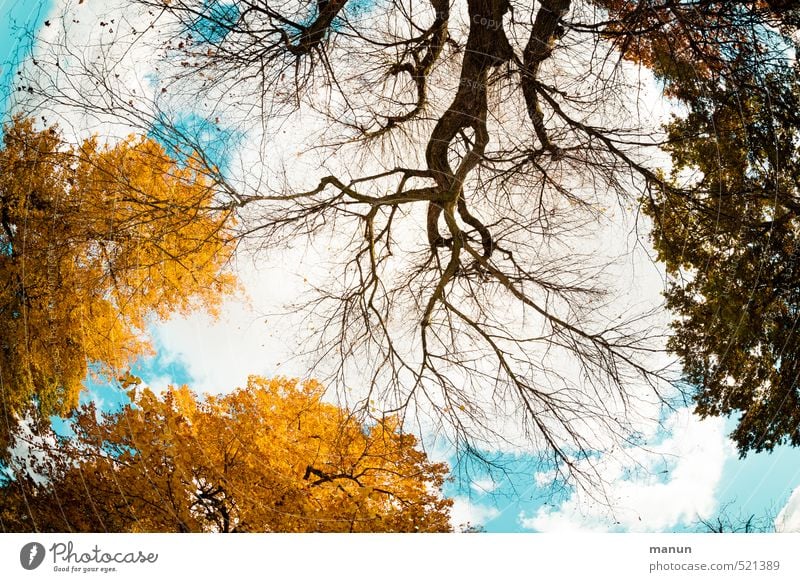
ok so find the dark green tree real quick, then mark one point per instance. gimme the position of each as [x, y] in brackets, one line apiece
[726, 226]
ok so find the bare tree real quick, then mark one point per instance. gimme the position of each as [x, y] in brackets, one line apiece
[726, 522]
[466, 154]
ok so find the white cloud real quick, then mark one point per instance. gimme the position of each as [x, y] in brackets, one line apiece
[160, 383]
[788, 519]
[31, 452]
[254, 333]
[86, 49]
[484, 485]
[465, 512]
[672, 483]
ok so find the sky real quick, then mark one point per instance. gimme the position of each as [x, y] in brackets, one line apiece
[19, 19]
[689, 470]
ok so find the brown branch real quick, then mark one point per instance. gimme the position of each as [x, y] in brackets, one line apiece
[487, 47]
[544, 33]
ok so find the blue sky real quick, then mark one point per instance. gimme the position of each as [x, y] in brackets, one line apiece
[759, 484]
[213, 136]
[19, 19]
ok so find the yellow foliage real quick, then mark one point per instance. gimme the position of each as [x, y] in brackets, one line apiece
[270, 457]
[95, 241]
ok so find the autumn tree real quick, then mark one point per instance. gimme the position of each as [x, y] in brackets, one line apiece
[271, 457]
[732, 247]
[726, 521]
[96, 240]
[466, 154]
[726, 222]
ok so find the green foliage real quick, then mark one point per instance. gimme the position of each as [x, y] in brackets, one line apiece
[730, 240]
